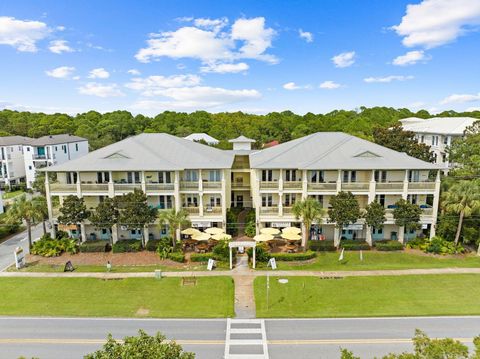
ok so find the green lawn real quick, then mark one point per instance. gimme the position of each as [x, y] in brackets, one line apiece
[449, 294]
[133, 297]
[373, 260]
[10, 195]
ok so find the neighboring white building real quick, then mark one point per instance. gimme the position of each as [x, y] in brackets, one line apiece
[438, 133]
[51, 150]
[11, 159]
[206, 182]
[196, 137]
[242, 143]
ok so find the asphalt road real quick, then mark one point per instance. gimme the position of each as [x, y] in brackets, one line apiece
[48, 338]
[18, 240]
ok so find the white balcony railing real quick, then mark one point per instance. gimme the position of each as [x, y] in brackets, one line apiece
[268, 185]
[269, 210]
[355, 186]
[428, 185]
[389, 186]
[159, 187]
[212, 184]
[332, 186]
[292, 185]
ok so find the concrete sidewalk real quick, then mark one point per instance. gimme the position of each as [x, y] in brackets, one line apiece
[247, 273]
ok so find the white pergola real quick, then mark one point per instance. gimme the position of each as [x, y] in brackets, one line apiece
[245, 244]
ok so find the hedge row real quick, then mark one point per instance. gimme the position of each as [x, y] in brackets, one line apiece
[287, 257]
[176, 257]
[321, 246]
[354, 245]
[127, 245]
[388, 245]
[201, 257]
[95, 246]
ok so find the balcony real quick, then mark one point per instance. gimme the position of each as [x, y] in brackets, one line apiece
[189, 185]
[240, 185]
[287, 210]
[127, 187]
[269, 185]
[40, 157]
[332, 186]
[292, 185]
[269, 210]
[389, 186]
[212, 211]
[421, 186]
[63, 187]
[212, 185]
[94, 187]
[355, 186]
[158, 187]
[192, 210]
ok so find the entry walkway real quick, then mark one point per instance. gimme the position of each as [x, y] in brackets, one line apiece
[244, 296]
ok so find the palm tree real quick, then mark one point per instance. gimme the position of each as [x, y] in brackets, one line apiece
[175, 220]
[23, 210]
[463, 198]
[40, 204]
[308, 210]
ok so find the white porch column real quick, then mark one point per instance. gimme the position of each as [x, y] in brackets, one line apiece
[146, 232]
[304, 184]
[200, 181]
[336, 236]
[79, 186]
[280, 181]
[111, 185]
[176, 191]
[368, 235]
[339, 181]
[231, 262]
[224, 201]
[405, 185]
[436, 200]
[49, 204]
[280, 204]
[372, 188]
[401, 234]
[84, 235]
[115, 233]
[254, 250]
[142, 180]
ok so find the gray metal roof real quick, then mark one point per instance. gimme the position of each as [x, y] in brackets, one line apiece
[56, 140]
[149, 152]
[15, 140]
[334, 150]
[438, 125]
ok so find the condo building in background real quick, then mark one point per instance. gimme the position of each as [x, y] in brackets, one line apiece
[206, 182]
[438, 133]
[12, 160]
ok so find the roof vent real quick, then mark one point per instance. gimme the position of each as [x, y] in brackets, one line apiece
[368, 154]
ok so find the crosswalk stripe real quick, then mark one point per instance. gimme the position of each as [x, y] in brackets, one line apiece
[249, 326]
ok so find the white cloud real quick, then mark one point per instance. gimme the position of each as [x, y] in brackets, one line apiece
[59, 46]
[134, 72]
[291, 86]
[433, 23]
[209, 42]
[60, 28]
[329, 85]
[224, 68]
[411, 58]
[100, 90]
[62, 72]
[22, 34]
[460, 98]
[99, 73]
[387, 79]
[156, 85]
[345, 59]
[307, 36]
[198, 97]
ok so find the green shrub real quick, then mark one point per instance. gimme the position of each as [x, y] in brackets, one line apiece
[127, 245]
[438, 245]
[164, 247]
[250, 229]
[388, 245]
[418, 243]
[48, 247]
[201, 257]
[61, 234]
[177, 257]
[152, 245]
[321, 246]
[97, 246]
[221, 251]
[261, 253]
[301, 256]
[354, 245]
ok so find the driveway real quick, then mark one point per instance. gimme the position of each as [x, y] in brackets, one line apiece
[18, 240]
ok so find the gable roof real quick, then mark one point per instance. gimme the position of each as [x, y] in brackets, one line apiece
[438, 125]
[240, 139]
[149, 152]
[56, 140]
[15, 140]
[202, 136]
[334, 150]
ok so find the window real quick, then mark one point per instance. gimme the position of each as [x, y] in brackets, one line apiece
[56, 148]
[434, 140]
[215, 201]
[413, 176]
[445, 140]
[103, 177]
[28, 149]
[380, 176]
[267, 175]
[19, 148]
[191, 201]
[422, 138]
[290, 175]
[318, 197]
[30, 168]
[267, 200]
[412, 198]
[191, 175]
[289, 199]
[76, 147]
[164, 177]
[133, 177]
[444, 158]
[380, 198]
[349, 176]
[165, 202]
[317, 176]
[214, 176]
[71, 177]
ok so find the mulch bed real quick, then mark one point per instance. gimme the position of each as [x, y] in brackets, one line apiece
[119, 259]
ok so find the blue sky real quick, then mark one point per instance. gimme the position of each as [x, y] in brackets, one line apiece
[253, 56]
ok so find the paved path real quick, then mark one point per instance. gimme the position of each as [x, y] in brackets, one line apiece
[18, 240]
[59, 338]
[250, 273]
[244, 295]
